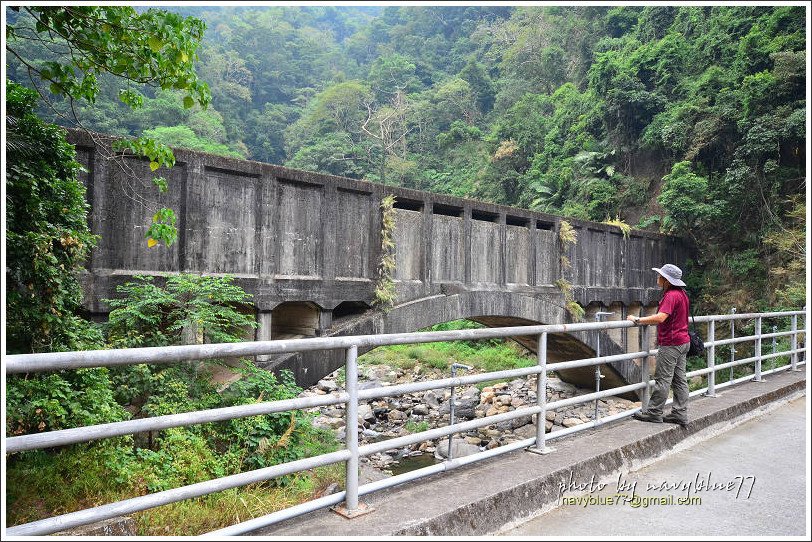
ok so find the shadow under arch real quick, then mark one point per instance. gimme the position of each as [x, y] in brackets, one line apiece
[491, 308]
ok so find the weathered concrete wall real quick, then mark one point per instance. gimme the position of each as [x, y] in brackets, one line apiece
[447, 249]
[409, 233]
[292, 236]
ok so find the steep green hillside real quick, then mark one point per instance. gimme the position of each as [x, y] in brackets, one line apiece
[684, 119]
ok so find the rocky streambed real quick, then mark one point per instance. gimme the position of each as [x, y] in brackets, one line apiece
[397, 416]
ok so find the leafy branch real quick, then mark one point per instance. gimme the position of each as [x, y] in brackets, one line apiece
[156, 48]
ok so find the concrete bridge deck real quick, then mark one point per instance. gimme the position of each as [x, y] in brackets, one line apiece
[484, 497]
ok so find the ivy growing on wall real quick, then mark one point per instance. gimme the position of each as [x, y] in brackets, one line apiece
[570, 305]
[567, 236]
[385, 288]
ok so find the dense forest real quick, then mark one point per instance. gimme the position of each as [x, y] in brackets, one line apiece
[689, 120]
[686, 120]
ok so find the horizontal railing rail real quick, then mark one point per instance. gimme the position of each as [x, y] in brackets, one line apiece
[744, 316]
[28, 363]
[57, 361]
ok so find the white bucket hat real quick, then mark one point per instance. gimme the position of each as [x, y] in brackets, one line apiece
[671, 273]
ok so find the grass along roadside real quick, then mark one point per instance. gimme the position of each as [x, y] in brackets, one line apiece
[199, 516]
[47, 483]
[46, 490]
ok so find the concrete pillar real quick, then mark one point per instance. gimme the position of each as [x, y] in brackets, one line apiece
[426, 248]
[194, 175]
[191, 334]
[532, 272]
[97, 173]
[502, 278]
[263, 331]
[325, 321]
[266, 241]
[633, 333]
[328, 234]
[466, 236]
[617, 310]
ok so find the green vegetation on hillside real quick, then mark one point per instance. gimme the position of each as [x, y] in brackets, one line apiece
[685, 119]
[72, 55]
[689, 119]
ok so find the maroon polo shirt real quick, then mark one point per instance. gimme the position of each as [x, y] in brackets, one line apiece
[674, 330]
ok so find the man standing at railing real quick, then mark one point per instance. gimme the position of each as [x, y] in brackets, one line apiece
[673, 342]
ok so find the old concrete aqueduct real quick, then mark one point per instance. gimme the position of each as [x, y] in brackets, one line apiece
[307, 247]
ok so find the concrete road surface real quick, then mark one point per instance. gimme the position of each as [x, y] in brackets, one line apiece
[748, 481]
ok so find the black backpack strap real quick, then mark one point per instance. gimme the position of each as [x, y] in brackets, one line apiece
[690, 307]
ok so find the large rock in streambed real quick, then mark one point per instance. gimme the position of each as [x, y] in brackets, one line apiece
[459, 448]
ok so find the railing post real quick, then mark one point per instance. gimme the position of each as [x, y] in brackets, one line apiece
[453, 404]
[541, 399]
[711, 359]
[775, 348]
[794, 345]
[645, 374]
[598, 377]
[598, 374]
[732, 345]
[757, 378]
[806, 334]
[351, 507]
[451, 407]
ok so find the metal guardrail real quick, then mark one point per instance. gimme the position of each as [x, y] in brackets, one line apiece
[105, 358]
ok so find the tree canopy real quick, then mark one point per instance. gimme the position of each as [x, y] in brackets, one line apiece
[576, 110]
[64, 51]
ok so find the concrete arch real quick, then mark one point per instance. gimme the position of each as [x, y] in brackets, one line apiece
[491, 308]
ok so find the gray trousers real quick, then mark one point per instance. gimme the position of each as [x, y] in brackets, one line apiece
[670, 373]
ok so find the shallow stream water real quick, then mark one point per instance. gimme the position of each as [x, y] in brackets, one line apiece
[414, 462]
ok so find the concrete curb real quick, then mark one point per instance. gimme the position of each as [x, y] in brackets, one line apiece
[491, 496]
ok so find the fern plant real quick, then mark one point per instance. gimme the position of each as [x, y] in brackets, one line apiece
[151, 315]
